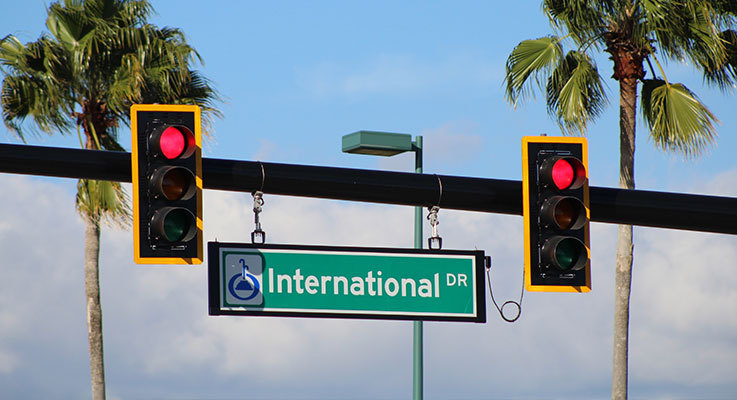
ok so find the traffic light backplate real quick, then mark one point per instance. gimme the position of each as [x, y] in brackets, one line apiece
[555, 195]
[166, 161]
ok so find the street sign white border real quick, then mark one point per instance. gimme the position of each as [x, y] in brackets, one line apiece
[215, 285]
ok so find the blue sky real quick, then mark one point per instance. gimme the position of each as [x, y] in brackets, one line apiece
[295, 77]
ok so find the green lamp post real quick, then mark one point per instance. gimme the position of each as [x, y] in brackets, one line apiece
[388, 144]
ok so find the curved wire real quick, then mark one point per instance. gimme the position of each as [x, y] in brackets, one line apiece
[516, 303]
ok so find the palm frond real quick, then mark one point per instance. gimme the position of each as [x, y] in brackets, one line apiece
[725, 7]
[678, 121]
[13, 54]
[29, 96]
[584, 20]
[667, 23]
[698, 30]
[722, 72]
[534, 58]
[99, 58]
[103, 201]
[575, 92]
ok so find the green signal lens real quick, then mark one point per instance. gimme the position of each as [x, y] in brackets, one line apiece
[565, 253]
[174, 224]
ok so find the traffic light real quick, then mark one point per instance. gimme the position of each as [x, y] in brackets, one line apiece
[166, 163]
[555, 196]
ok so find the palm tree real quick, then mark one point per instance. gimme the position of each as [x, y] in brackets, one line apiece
[633, 33]
[100, 57]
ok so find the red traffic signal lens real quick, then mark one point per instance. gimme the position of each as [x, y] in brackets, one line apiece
[174, 183]
[174, 224]
[171, 142]
[565, 253]
[174, 141]
[564, 172]
[563, 212]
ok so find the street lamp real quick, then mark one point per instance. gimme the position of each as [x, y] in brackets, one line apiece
[388, 144]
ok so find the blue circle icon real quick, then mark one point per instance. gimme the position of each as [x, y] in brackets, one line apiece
[244, 286]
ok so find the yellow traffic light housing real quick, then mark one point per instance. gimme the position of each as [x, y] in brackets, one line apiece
[166, 161]
[555, 196]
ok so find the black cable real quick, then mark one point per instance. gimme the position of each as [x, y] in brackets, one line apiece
[491, 292]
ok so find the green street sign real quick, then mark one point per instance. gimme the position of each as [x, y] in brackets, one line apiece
[346, 282]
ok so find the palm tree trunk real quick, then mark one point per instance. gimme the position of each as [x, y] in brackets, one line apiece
[625, 247]
[94, 310]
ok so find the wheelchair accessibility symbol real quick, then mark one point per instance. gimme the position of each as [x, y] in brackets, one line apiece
[244, 286]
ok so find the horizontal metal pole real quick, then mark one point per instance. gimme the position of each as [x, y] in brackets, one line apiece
[608, 205]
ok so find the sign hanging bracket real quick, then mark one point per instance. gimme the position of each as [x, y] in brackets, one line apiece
[435, 242]
[258, 236]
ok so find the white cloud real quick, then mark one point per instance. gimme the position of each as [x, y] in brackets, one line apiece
[160, 342]
[396, 74]
[265, 150]
[722, 184]
[449, 145]
[685, 303]
[452, 143]
[8, 362]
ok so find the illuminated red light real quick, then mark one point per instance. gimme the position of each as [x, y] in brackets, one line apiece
[563, 174]
[172, 143]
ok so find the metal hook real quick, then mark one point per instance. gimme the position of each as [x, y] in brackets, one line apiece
[258, 236]
[435, 239]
